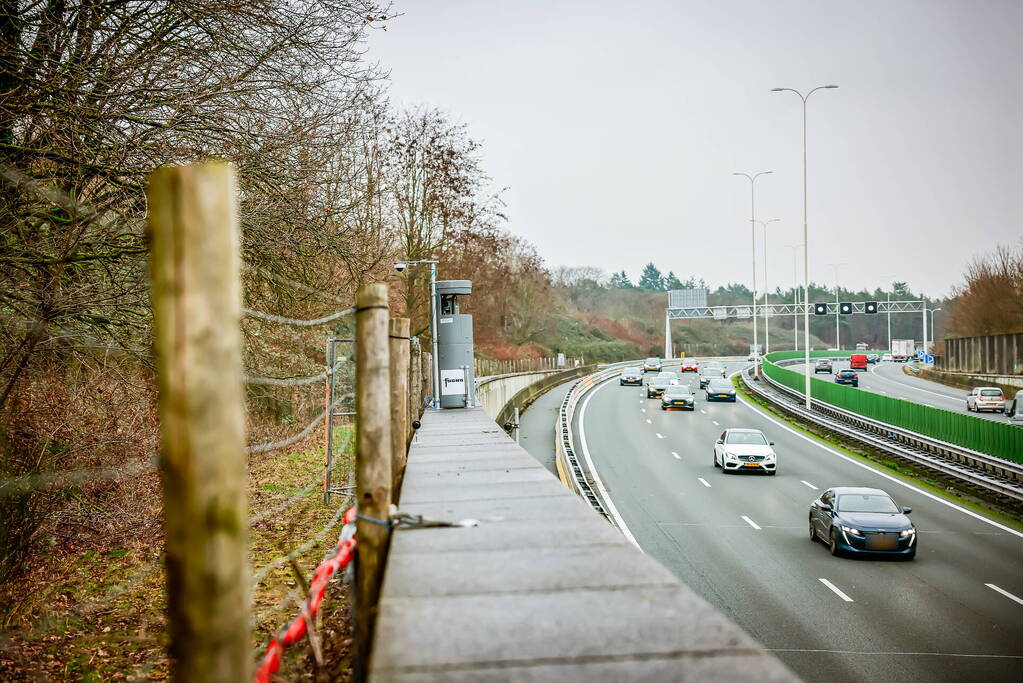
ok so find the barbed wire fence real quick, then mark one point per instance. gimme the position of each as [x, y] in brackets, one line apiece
[59, 480]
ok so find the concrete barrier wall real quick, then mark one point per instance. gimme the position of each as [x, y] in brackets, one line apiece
[499, 395]
[996, 354]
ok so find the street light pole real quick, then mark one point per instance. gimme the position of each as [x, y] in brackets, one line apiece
[753, 242]
[836, 266]
[767, 318]
[795, 295]
[806, 249]
[933, 311]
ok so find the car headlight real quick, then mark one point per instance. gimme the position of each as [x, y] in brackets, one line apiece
[905, 533]
[770, 456]
[850, 530]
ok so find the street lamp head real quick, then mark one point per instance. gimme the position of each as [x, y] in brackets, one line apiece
[831, 86]
[777, 89]
[400, 266]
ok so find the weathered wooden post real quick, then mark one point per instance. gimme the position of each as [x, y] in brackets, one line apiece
[399, 350]
[372, 460]
[196, 296]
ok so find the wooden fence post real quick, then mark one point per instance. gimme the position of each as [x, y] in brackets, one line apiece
[372, 461]
[196, 297]
[399, 343]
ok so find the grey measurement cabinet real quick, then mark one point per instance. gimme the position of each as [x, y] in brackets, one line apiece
[454, 346]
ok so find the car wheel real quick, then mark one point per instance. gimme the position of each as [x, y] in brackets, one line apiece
[663, 408]
[833, 544]
[773, 472]
[813, 532]
[910, 557]
[714, 457]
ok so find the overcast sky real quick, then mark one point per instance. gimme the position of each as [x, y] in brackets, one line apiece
[617, 127]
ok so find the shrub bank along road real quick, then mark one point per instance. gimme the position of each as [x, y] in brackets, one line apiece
[742, 542]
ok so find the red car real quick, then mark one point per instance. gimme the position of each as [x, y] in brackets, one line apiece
[689, 366]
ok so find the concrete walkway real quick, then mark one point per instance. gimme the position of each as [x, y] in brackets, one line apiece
[542, 590]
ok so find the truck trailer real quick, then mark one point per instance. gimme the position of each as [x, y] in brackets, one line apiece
[903, 350]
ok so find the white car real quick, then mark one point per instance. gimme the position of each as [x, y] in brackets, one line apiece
[745, 450]
[886, 358]
[985, 398]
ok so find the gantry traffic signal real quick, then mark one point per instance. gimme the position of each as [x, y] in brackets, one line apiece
[870, 307]
[845, 308]
[820, 309]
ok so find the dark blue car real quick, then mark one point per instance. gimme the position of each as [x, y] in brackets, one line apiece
[862, 521]
[848, 377]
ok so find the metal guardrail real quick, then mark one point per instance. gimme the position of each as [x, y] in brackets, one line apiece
[994, 475]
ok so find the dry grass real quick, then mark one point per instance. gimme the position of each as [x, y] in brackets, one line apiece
[94, 610]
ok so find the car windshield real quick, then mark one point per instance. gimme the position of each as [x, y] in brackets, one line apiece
[651, 361]
[823, 362]
[677, 392]
[746, 438]
[866, 502]
[847, 373]
[719, 385]
[990, 392]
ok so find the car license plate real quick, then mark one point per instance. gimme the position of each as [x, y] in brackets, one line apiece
[722, 395]
[882, 542]
[753, 464]
[680, 403]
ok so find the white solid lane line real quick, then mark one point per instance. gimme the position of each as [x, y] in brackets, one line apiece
[704, 482]
[907, 385]
[676, 455]
[593, 470]
[660, 436]
[751, 522]
[837, 592]
[1004, 592]
[809, 484]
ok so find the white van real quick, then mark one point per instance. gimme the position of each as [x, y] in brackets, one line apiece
[1014, 409]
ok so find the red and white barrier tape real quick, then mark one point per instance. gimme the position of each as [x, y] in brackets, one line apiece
[296, 630]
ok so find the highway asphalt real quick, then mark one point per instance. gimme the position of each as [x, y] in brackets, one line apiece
[890, 380]
[742, 542]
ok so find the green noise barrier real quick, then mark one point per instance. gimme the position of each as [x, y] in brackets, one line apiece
[999, 439]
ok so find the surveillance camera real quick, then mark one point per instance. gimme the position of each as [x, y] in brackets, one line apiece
[400, 266]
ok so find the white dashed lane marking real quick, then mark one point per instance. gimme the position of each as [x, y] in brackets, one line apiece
[1004, 592]
[704, 482]
[809, 484]
[751, 522]
[835, 590]
[677, 456]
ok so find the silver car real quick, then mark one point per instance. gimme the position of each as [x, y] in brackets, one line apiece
[985, 398]
[709, 372]
[652, 365]
[661, 381]
[678, 396]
